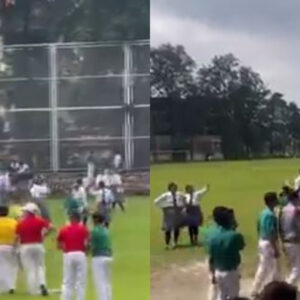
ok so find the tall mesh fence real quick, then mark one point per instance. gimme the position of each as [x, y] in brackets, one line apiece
[59, 102]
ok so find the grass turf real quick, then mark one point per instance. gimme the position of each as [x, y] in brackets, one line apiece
[131, 266]
[240, 185]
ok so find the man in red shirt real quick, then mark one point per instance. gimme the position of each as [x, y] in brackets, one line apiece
[73, 241]
[31, 231]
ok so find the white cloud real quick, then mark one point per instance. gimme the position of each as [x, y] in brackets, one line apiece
[274, 58]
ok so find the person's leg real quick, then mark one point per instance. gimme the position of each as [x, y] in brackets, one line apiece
[5, 273]
[96, 268]
[191, 234]
[13, 261]
[69, 277]
[28, 263]
[232, 283]
[167, 237]
[196, 234]
[106, 279]
[81, 266]
[176, 236]
[41, 274]
[121, 205]
[266, 262]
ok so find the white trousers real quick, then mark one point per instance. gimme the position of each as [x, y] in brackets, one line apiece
[33, 262]
[101, 275]
[227, 284]
[268, 268]
[74, 277]
[292, 252]
[8, 267]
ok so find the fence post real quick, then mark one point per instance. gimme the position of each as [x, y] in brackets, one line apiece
[128, 120]
[54, 147]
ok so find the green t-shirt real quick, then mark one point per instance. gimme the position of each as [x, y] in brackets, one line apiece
[224, 246]
[267, 226]
[100, 241]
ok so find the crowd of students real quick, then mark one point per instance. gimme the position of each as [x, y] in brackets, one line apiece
[25, 226]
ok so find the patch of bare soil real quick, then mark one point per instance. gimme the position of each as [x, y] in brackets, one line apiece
[190, 282]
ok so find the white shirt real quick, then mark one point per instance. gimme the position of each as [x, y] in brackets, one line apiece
[290, 222]
[104, 178]
[23, 168]
[103, 194]
[80, 195]
[166, 200]
[297, 183]
[196, 197]
[39, 191]
[117, 160]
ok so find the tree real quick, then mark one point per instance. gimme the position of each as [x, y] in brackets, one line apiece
[171, 70]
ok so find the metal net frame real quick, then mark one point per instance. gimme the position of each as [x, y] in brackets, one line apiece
[88, 96]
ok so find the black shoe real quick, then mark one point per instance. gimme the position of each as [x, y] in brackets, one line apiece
[44, 291]
[11, 292]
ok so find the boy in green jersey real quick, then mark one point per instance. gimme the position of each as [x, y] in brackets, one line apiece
[102, 257]
[224, 247]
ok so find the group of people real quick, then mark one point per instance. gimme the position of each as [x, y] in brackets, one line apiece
[278, 228]
[23, 229]
[181, 210]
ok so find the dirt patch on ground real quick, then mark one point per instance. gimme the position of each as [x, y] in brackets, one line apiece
[185, 282]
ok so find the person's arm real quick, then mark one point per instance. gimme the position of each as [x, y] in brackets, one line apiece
[200, 193]
[273, 225]
[159, 200]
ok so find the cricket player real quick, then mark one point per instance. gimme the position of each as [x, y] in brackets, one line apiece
[172, 204]
[224, 247]
[268, 249]
[8, 257]
[104, 201]
[289, 219]
[39, 193]
[116, 186]
[79, 193]
[102, 257]
[31, 231]
[194, 211]
[73, 241]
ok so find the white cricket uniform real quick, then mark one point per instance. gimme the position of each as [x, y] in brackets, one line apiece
[80, 195]
[101, 274]
[117, 161]
[39, 193]
[268, 268]
[9, 268]
[103, 194]
[23, 169]
[75, 274]
[290, 234]
[33, 262]
[106, 178]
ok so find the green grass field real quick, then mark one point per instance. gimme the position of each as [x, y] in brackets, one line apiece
[131, 266]
[240, 185]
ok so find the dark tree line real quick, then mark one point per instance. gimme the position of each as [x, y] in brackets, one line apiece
[221, 98]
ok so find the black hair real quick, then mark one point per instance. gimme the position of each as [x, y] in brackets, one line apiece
[270, 198]
[98, 218]
[278, 290]
[75, 216]
[4, 211]
[101, 184]
[222, 216]
[171, 185]
[79, 181]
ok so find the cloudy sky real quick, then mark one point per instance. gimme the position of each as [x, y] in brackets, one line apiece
[263, 34]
